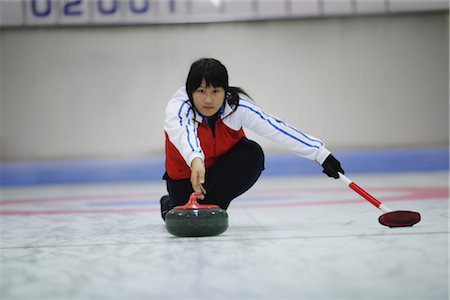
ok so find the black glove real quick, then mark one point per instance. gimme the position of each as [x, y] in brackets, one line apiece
[331, 167]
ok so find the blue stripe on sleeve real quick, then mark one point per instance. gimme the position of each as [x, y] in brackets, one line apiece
[180, 117]
[279, 129]
[196, 140]
[188, 111]
[189, 139]
[287, 125]
[296, 130]
[179, 112]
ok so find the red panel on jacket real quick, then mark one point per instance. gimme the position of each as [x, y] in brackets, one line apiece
[213, 147]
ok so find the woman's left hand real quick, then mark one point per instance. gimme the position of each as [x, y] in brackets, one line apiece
[331, 167]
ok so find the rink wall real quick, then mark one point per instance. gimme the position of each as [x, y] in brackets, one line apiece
[107, 171]
[365, 82]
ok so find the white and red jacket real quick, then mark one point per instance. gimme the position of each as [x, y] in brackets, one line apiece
[189, 136]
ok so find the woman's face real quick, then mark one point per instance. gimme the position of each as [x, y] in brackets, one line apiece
[208, 99]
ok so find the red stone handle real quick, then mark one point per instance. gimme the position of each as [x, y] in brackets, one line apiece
[193, 204]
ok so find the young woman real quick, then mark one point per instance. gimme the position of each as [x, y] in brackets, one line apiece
[206, 148]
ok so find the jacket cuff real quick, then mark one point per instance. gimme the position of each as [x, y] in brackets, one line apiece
[193, 155]
[321, 155]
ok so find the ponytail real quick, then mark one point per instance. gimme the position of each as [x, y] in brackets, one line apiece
[232, 96]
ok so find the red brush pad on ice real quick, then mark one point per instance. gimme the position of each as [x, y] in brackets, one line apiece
[399, 218]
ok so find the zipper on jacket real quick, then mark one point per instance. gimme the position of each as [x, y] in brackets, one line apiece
[211, 131]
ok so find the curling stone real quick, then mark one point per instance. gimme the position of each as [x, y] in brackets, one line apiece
[195, 220]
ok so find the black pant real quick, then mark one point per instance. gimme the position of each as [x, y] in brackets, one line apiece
[231, 175]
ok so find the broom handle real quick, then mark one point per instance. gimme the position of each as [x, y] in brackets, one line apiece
[363, 193]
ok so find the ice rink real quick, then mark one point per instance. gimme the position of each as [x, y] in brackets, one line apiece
[294, 237]
[86, 119]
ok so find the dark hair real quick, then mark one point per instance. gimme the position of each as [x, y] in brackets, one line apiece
[216, 75]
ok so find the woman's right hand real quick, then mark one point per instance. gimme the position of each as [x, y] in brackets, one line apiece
[198, 175]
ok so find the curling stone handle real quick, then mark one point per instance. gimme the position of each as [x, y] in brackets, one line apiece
[193, 204]
[194, 196]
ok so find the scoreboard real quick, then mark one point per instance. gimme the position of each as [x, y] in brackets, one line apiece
[120, 12]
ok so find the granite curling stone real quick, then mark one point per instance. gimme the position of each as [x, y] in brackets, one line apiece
[196, 220]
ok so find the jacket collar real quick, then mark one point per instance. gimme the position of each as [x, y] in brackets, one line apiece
[225, 111]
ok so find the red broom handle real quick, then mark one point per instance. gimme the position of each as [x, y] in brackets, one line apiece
[363, 193]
